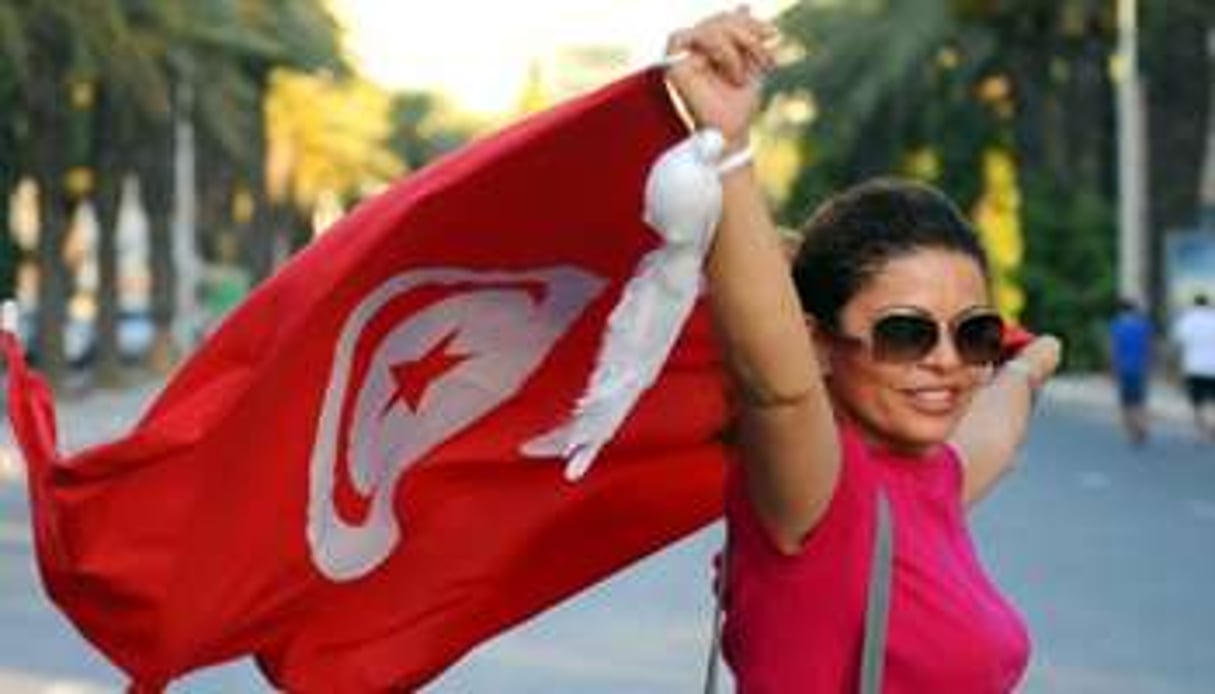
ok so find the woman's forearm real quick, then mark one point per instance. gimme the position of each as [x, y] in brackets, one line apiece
[753, 298]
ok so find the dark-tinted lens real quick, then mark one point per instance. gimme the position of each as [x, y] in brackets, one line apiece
[979, 339]
[903, 338]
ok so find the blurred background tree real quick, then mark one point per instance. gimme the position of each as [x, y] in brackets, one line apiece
[426, 127]
[1006, 106]
[96, 93]
[943, 90]
[1178, 55]
[325, 148]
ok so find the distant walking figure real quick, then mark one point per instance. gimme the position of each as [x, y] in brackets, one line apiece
[1194, 333]
[1131, 365]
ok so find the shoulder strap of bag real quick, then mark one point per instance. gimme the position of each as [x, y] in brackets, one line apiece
[877, 607]
[718, 613]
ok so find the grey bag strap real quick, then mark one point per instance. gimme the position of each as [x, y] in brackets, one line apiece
[715, 636]
[877, 607]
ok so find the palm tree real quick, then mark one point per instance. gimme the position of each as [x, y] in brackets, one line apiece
[53, 33]
[305, 38]
[877, 106]
[104, 70]
[936, 58]
[12, 53]
[1175, 36]
[77, 70]
[132, 100]
[956, 77]
[221, 57]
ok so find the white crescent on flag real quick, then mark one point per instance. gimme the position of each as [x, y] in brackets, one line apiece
[436, 372]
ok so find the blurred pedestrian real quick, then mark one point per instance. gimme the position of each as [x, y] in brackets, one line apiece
[1130, 350]
[1194, 335]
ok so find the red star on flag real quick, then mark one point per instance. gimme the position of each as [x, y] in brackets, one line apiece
[414, 377]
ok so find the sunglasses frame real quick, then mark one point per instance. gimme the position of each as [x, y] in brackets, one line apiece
[872, 343]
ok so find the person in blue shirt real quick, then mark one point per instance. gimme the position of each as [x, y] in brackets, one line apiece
[1131, 363]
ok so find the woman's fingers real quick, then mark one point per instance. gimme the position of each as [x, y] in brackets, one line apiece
[753, 45]
[734, 44]
[758, 37]
[723, 53]
[1044, 353]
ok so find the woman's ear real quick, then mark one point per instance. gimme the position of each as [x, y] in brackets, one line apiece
[822, 344]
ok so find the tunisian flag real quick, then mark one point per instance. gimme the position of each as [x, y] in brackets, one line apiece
[334, 483]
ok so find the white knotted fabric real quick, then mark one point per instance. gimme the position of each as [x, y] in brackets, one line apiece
[683, 205]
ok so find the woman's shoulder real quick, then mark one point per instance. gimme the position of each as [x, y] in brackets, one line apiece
[850, 498]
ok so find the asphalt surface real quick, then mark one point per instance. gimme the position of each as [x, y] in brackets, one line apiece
[1106, 549]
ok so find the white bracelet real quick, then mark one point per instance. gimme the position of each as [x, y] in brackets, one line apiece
[735, 160]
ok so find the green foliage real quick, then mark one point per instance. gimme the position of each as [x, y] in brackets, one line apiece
[1180, 86]
[10, 258]
[878, 107]
[954, 78]
[88, 87]
[1069, 272]
[424, 128]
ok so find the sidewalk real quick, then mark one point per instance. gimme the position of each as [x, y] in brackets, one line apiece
[82, 420]
[1166, 400]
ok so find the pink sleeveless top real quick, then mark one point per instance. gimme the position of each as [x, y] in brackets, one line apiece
[795, 624]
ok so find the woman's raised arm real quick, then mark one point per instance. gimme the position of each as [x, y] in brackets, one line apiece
[995, 425]
[788, 433]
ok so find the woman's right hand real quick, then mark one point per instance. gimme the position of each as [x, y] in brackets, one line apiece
[1042, 356]
[719, 78]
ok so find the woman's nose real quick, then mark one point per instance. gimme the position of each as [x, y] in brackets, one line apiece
[944, 354]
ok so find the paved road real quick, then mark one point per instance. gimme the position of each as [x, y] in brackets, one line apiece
[1106, 549]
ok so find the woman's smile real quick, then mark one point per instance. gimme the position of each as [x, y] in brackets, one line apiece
[935, 400]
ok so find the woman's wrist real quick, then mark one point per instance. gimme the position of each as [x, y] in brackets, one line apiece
[1022, 369]
[735, 156]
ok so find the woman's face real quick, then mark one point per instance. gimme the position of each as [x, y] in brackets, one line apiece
[908, 406]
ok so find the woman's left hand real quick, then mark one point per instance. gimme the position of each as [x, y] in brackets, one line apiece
[719, 78]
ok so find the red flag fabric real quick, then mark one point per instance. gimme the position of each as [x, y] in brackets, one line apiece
[333, 482]
[1016, 338]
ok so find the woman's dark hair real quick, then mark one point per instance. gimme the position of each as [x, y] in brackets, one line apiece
[852, 235]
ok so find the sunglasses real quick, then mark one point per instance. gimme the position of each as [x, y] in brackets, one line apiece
[908, 335]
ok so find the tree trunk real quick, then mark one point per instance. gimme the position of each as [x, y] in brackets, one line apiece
[10, 253]
[260, 244]
[1178, 95]
[108, 142]
[109, 358]
[1030, 75]
[216, 219]
[49, 160]
[51, 148]
[54, 277]
[1090, 116]
[156, 183]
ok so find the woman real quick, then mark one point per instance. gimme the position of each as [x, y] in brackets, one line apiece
[873, 369]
